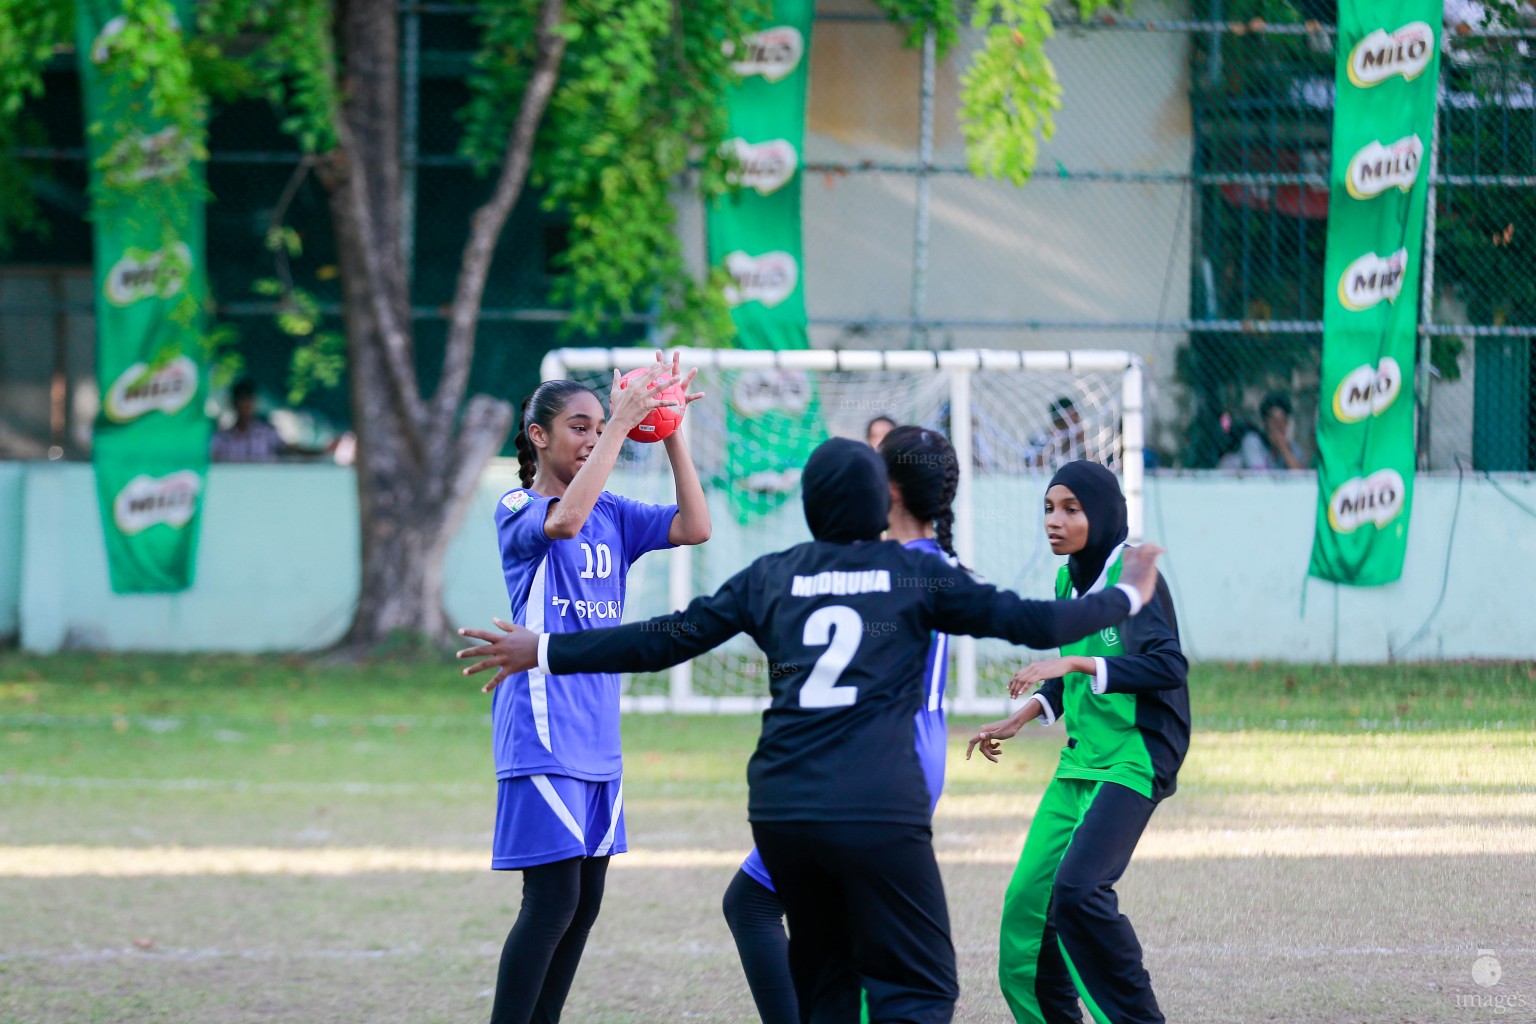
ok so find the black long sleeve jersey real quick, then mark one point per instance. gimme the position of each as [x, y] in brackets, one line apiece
[846, 629]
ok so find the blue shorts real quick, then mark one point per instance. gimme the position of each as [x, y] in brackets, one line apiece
[544, 818]
[755, 869]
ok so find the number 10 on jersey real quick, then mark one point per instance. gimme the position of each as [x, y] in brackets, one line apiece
[603, 562]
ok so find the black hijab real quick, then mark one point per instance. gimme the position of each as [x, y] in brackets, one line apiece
[1098, 492]
[845, 492]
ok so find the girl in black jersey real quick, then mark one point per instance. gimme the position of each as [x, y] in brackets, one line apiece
[924, 474]
[838, 803]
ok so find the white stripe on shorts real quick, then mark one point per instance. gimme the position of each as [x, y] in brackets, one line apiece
[547, 791]
[613, 823]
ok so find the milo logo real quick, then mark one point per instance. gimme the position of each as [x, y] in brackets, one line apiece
[1368, 391]
[765, 167]
[1377, 498]
[139, 158]
[142, 274]
[768, 279]
[148, 500]
[1381, 55]
[1372, 279]
[773, 53]
[1377, 168]
[757, 392]
[137, 390]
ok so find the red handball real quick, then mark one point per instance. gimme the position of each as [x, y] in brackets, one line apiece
[658, 424]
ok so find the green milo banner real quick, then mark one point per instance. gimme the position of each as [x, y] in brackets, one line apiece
[773, 416]
[1384, 110]
[151, 437]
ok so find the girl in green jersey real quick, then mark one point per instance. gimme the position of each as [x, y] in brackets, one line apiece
[1123, 696]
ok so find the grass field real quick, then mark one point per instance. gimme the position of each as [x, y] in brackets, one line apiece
[222, 840]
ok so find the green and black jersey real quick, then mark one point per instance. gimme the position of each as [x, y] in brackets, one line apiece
[1129, 721]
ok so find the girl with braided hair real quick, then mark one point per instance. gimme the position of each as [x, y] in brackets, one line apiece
[924, 475]
[566, 548]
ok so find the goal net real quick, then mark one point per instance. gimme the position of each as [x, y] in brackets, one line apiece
[1013, 418]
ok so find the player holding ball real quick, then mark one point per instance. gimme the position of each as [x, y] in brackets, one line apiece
[566, 548]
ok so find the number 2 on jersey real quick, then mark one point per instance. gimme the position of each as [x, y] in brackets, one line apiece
[839, 628]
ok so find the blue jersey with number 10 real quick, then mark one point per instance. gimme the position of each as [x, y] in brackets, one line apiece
[567, 725]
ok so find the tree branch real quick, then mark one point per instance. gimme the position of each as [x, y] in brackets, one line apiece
[488, 221]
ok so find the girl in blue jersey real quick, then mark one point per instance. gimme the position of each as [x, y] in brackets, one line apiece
[924, 475]
[566, 548]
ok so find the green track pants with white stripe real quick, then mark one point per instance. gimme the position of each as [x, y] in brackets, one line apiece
[1063, 935]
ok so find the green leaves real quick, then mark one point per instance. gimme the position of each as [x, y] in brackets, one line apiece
[29, 32]
[641, 96]
[316, 364]
[1010, 94]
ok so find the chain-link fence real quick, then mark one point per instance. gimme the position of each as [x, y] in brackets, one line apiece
[1179, 212]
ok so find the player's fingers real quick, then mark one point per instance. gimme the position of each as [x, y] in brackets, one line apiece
[509, 627]
[688, 380]
[481, 666]
[496, 680]
[990, 752]
[479, 634]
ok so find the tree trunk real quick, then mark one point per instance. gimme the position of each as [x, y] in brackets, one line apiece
[413, 481]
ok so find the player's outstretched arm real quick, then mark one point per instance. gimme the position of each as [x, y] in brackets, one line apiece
[691, 525]
[647, 646]
[990, 736]
[978, 609]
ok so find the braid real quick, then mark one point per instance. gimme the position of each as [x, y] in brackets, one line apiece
[527, 461]
[922, 465]
[944, 520]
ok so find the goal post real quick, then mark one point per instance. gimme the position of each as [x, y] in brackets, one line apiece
[1012, 416]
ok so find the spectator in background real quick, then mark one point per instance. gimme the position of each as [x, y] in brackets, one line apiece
[250, 438]
[1270, 446]
[1067, 440]
[876, 429]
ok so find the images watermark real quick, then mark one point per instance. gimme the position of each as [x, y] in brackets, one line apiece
[1488, 974]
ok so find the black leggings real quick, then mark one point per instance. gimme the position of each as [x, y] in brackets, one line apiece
[539, 959]
[756, 918]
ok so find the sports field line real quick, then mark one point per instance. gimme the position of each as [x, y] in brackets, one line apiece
[245, 785]
[157, 953]
[1168, 844]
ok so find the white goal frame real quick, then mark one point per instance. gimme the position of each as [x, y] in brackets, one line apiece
[960, 365]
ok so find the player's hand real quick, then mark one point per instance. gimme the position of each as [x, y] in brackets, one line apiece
[1138, 567]
[628, 405]
[988, 738]
[509, 652]
[1036, 673]
[677, 367]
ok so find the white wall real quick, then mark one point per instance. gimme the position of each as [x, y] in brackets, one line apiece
[278, 565]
